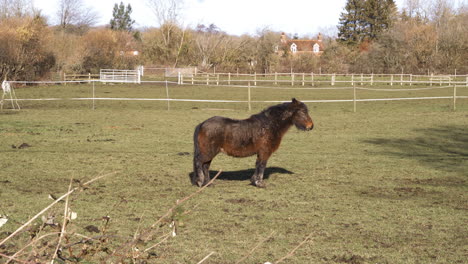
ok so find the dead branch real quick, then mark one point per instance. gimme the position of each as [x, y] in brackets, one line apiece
[64, 224]
[51, 205]
[205, 258]
[255, 248]
[12, 258]
[291, 253]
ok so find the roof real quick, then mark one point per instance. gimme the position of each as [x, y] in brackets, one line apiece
[304, 44]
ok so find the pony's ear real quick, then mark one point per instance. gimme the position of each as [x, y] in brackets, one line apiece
[294, 101]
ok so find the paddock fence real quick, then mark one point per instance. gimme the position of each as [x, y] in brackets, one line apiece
[254, 89]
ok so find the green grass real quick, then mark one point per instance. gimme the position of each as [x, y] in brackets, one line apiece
[387, 184]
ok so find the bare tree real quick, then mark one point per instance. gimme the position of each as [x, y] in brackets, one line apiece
[15, 8]
[166, 11]
[74, 12]
[167, 14]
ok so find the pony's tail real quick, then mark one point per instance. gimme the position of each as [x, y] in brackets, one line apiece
[196, 156]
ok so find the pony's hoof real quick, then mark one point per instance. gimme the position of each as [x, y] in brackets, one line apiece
[260, 184]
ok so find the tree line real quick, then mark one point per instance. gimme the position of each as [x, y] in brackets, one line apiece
[373, 37]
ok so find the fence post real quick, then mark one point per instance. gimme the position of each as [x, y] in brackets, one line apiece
[276, 78]
[229, 78]
[391, 80]
[167, 96]
[217, 79]
[401, 79]
[207, 79]
[454, 97]
[352, 79]
[192, 80]
[333, 79]
[255, 79]
[94, 96]
[312, 77]
[411, 79]
[248, 93]
[292, 79]
[303, 79]
[372, 79]
[431, 78]
[354, 98]
[362, 78]
[65, 78]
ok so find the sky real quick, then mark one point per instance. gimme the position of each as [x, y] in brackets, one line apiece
[236, 17]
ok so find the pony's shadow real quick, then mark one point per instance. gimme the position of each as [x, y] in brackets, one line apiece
[243, 175]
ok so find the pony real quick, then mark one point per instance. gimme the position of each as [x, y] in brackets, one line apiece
[260, 135]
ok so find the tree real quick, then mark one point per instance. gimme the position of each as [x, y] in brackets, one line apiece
[16, 8]
[365, 20]
[172, 33]
[207, 40]
[74, 14]
[121, 19]
[24, 48]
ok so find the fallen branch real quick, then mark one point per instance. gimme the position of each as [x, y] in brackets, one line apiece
[255, 248]
[291, 253]
[64, 224]
[48, 207]
[12, 258]
[179, 202]
[205, 258]
[185, 199]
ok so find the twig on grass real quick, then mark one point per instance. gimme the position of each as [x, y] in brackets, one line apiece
[255, 248]
[165, 237]
[49, 206]
[185, 199]
[64, 224]
[17, 253]
[179, 202]
[12, 259]
[205, 258]
[291, 253]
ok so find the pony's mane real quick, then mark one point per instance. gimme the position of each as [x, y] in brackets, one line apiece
[275, 109]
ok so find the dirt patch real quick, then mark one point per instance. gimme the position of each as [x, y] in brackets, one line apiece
[446, 181]
[351, 259]
[240, 201]
[395, 193]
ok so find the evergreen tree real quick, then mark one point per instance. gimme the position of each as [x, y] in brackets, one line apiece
[121, 19]
[365, 20]
[351, 27]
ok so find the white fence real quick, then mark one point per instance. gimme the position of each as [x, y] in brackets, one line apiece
[449, 93]
[313, 79]
[120, 76]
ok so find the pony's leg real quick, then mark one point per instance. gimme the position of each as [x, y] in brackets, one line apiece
[199, 172]
[260, 165]
[206, 172]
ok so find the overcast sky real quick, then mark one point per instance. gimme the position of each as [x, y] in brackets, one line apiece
[237, 17]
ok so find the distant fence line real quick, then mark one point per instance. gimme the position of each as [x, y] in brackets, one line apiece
[452, 96]
[191, 76]
[313, 79]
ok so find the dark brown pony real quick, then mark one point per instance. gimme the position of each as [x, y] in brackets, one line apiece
[259, 134]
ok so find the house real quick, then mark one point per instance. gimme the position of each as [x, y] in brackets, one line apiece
[300, 46]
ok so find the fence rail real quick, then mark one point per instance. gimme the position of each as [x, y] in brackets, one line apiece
[312, 79]
[437, 93]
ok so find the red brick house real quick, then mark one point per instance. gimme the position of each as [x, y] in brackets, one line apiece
[300, 46]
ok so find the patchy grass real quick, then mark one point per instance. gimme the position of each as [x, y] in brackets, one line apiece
[387, 184]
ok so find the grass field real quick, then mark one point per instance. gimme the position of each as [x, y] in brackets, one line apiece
[387, 184]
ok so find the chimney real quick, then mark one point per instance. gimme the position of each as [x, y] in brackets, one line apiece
[319, 37]
[283, 38]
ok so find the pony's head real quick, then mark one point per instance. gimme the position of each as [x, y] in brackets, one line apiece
[300, 115]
